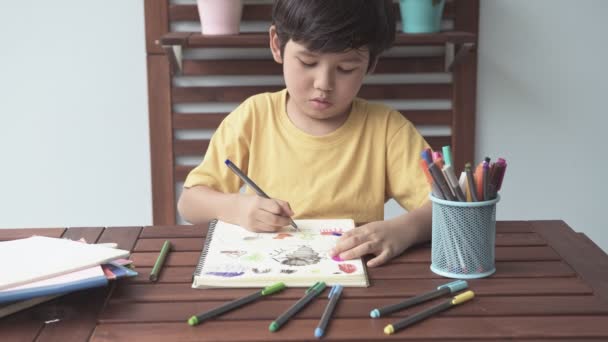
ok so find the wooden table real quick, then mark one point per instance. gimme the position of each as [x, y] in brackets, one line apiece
[550, 283]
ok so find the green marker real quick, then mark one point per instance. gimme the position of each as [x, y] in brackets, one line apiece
[194, 320]
[160, 260]
[447, 155]
[310, 294]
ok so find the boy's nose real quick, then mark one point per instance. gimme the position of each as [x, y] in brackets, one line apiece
[324, 81]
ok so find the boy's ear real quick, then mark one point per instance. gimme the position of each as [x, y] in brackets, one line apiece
[275, 44]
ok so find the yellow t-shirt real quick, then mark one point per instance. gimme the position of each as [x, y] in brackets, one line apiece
[349, 173]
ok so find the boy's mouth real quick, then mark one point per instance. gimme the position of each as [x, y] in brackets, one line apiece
[320, 103]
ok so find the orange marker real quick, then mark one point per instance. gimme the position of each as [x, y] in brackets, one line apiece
[479, 182]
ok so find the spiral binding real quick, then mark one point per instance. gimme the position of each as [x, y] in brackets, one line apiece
[201, 260]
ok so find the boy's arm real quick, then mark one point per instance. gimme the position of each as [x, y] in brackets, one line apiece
[386, 239]
[201, 204]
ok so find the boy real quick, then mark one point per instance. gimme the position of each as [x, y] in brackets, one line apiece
[315, 148]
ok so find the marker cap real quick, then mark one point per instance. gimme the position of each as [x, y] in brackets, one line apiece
[455, 286]
[335, 290]
[374, 313]
[389, 329]
[273, 288]
[273, 327]
[192, 321]
[463, 297]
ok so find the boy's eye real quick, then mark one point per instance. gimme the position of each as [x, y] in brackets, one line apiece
[346, 70]
[307, 63]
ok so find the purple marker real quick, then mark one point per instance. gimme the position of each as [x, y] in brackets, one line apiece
[484, 180]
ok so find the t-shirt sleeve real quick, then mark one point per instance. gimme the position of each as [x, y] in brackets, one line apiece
[229, 141]
[406, 182]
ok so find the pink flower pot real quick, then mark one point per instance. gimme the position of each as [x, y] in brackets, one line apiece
[220, 17]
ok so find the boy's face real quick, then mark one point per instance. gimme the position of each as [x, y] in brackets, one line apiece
[321, 86]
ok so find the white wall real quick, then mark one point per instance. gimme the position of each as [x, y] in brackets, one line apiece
[73, 114]
[74, 139]
[542, 104]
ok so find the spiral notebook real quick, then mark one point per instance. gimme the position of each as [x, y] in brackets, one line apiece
[235, 257]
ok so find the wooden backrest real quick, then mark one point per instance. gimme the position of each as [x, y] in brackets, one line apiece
[194, 81]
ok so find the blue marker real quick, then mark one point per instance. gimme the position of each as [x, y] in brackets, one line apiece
[309, 295]
[452, 287]
[333, 296]
[426, 156]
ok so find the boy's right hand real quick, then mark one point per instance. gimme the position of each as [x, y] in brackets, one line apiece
[259, 214]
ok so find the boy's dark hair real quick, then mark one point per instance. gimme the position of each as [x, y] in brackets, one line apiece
[336, 25]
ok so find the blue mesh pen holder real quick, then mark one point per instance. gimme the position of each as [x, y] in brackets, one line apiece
[464, 235]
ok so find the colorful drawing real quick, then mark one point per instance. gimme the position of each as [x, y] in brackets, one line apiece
[337, 258]
[233, 254]
[332, 231]
[259, 271]
[237, 257]
[226, 271]
[255, 257]
[226, 274]
[276, 253]
[281, 236]
[307, 235]
[302, 256]
[252, 237]
[347, 268]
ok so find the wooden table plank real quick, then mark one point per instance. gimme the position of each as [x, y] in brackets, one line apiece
[513, 227]
[22, 326]
[91, 235]
[439, 328]
[504, 269]
[416, 255]
[519, 239]
[194, 244]
[179, 231]
[77, 313]
[76, 321]
[507, 253]
[13, 234]
[27, 325]
[270, 308]
[125, 237]
[550, 283]
[381, 289]
[502, 227]
[590, 263]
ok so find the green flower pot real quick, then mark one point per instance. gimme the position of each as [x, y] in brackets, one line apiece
[421, 16]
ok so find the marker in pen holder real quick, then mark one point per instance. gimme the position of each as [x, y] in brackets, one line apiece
[463, 238]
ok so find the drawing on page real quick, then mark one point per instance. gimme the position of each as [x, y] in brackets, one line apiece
[302, 256]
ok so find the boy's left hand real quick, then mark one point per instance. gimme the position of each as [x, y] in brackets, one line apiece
[378, 238]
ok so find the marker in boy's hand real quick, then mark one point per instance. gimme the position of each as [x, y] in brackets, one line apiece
[265, 213]
[261, 214]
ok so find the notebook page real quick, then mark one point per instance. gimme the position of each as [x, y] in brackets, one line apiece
[38, 257]
[238, 256]
[87, 273]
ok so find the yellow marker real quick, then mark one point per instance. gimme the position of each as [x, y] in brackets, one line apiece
[461, 298]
